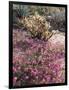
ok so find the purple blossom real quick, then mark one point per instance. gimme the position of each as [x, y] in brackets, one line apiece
[40, 63]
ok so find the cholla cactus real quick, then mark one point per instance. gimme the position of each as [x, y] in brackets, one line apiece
[37, 25]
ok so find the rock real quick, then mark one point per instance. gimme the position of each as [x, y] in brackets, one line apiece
[57, 41]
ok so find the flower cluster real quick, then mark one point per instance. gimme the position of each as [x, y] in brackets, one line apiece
[36, 61]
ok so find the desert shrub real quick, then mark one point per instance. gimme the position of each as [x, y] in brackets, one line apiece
[57, 14]
[57, 20]
[37, 26]
[18, 12]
